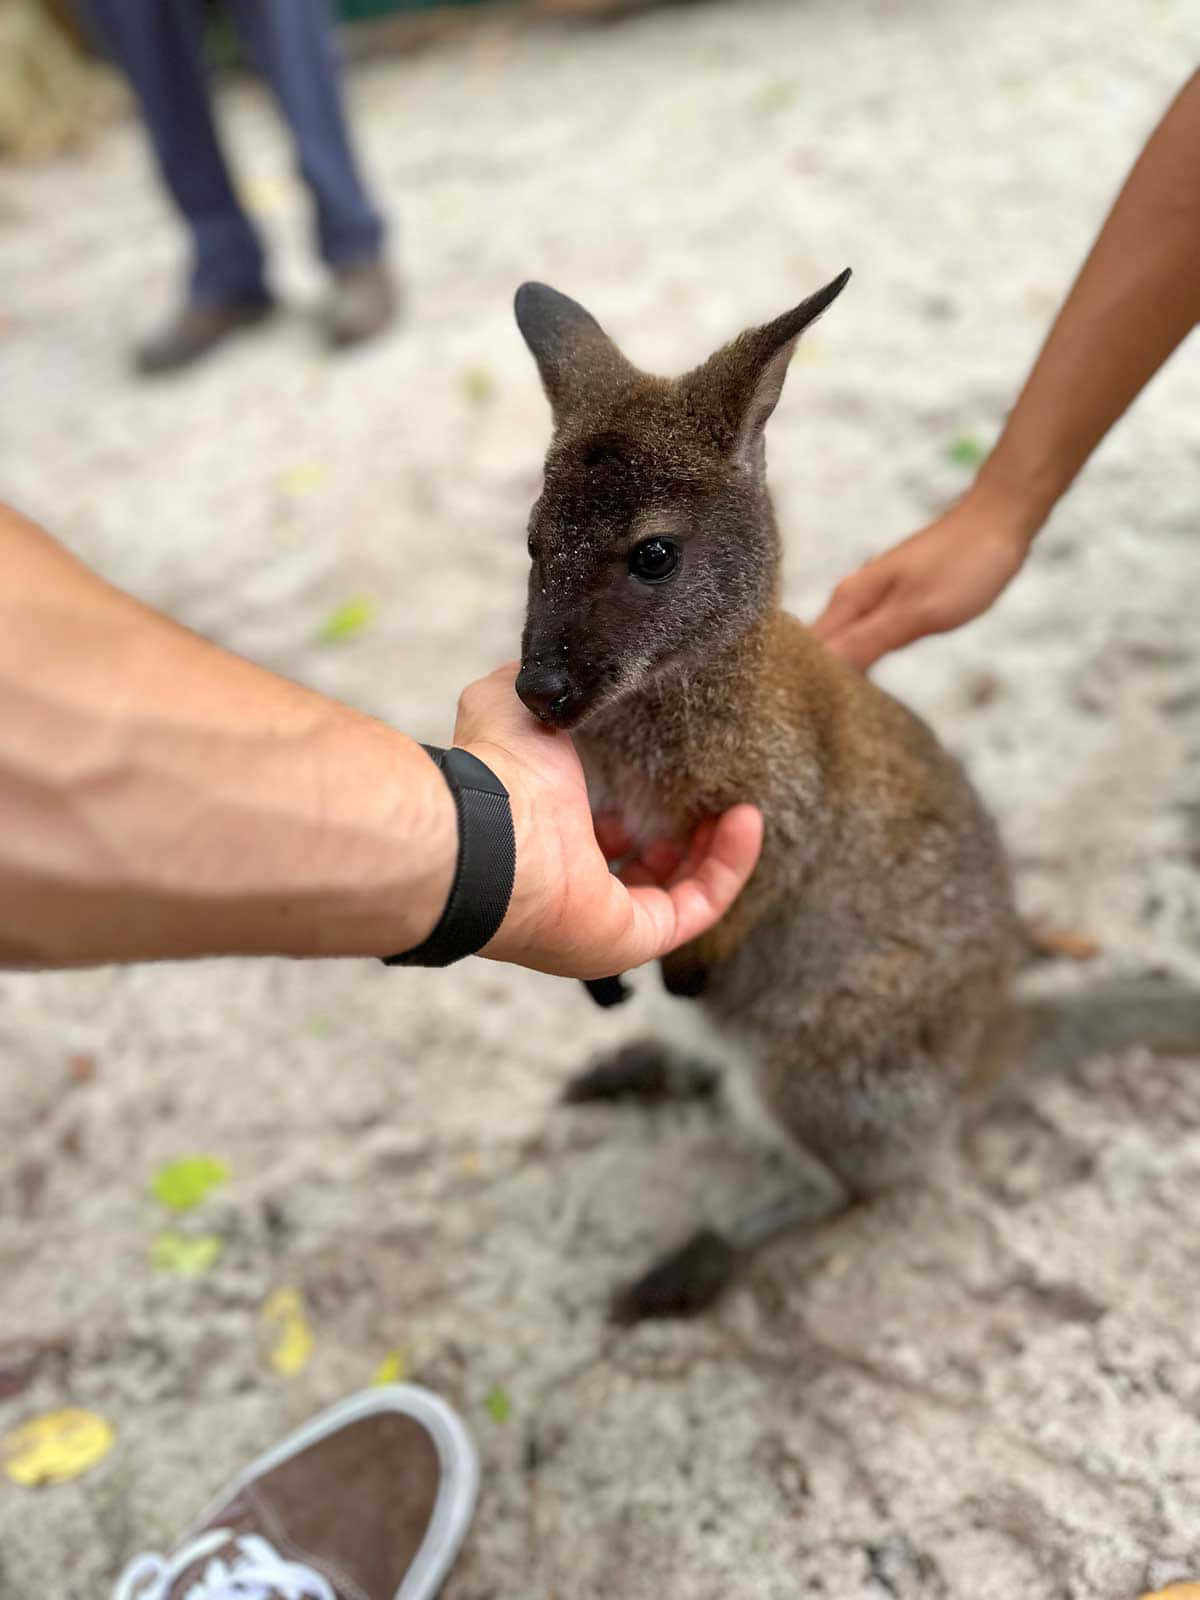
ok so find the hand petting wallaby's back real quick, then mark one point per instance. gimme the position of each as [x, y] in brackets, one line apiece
[865, 972]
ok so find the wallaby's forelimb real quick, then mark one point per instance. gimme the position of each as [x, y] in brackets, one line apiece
[646, 1070]
[608, 991]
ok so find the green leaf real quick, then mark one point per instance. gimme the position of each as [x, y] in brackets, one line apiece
[965, 451]
[182, 1184]
[349, 619]
[187, 1254]
[498, 1404]
[774, 95]
[478, 386]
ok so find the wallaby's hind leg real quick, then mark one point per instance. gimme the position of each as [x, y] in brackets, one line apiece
[873, 1123]
[868, 1125]
[691, 1278]
[681, 1284]
[646, 1070]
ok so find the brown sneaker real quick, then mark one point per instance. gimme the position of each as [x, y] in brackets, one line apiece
[363, 302]
[193, 332]
[370, 1501]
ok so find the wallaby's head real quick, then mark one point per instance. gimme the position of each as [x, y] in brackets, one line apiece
[653, 542]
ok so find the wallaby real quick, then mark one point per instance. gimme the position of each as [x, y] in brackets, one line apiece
[867, 968]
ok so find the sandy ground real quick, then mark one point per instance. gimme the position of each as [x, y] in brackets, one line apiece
[987, 1388]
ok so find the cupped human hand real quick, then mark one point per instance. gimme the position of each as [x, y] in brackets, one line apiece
[569, 913]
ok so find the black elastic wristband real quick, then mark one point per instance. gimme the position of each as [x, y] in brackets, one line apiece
[487, 863]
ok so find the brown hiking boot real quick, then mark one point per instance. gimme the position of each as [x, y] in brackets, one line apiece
[193, 332]
[370, 1501]
[363, 302]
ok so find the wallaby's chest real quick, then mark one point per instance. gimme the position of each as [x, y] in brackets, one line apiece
[684, 751]
[629, 789]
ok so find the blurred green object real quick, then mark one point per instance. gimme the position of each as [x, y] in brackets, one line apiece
[361, 10]
[350, 618]
[182, 1184]
[965, 451]
[223, 47]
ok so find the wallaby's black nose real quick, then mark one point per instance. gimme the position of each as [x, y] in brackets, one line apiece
[547, 691]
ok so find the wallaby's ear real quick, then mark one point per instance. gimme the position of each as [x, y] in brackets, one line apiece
[737, 389]
[574, 354]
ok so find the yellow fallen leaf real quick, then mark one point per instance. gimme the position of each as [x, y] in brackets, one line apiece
[393, 1368]
[302, 478]
[1176, 1591]
[55, 1447]
[265, 195]
[287, 1332]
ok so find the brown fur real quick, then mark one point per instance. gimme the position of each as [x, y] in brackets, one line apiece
[868, 964]
[868, 961]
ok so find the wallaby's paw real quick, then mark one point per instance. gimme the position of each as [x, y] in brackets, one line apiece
[607, 991]
[644, 1070]
[686, 980]
[682, 1284]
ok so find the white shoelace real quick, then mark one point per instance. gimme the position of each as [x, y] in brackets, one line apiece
[257, 1572]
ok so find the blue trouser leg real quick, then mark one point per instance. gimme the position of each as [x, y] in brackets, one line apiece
[158, 42]
[294, 46]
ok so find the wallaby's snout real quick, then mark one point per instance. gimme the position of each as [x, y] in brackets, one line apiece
[547, 690]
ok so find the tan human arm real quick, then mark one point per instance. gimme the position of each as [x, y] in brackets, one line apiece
[1135, 299]
[160, 797]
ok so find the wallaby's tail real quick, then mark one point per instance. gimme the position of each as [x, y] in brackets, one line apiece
[1061, 1030]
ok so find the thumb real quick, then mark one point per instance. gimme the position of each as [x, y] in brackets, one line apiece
[660, 919]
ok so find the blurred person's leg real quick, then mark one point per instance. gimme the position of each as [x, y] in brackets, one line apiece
[295, 47]
[159, 45]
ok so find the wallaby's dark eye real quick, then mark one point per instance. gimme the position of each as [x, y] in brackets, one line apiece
[531, 547]
[654, 560]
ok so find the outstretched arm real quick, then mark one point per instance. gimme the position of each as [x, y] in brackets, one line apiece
[160, 797]
[1135, 300]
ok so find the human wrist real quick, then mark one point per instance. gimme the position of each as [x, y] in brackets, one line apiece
[360, 854]
[485, 864]
[515, 929]
[1014, 504]
[428, 829]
